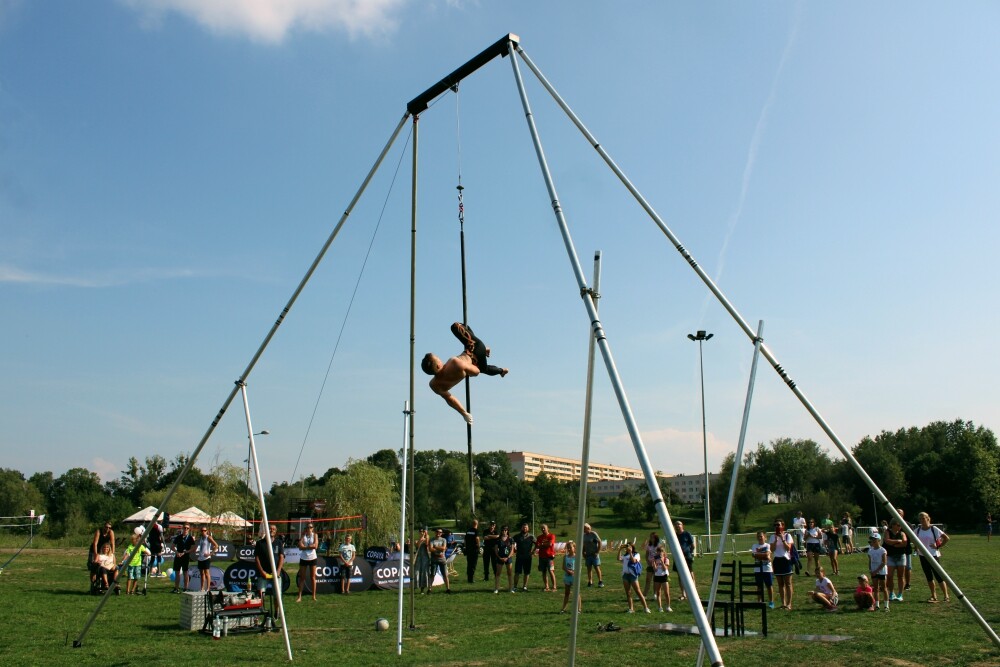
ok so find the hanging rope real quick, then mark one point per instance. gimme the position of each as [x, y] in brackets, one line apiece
[465, 298]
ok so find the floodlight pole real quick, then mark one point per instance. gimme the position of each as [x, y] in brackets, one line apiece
[276, 586]
[707, 632]
[733, 477]
[745, 326]
[701, 338]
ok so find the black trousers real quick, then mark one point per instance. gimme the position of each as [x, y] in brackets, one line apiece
[488, 559]
[474, 347]
[472, 562]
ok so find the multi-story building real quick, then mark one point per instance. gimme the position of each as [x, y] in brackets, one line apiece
[605, 480]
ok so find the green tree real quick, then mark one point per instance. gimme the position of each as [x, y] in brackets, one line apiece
[366, 489]
[787, 467]
[748, 496]
[630, 506]
[18, 495]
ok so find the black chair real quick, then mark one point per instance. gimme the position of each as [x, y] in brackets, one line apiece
[751, 596]
[725, 598]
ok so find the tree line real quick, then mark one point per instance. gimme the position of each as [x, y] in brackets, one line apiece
[949, 469]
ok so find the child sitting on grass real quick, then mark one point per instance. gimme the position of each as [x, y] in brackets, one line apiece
[825, 593]
[863, 595]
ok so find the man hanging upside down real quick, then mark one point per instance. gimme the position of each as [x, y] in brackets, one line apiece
[470, 363]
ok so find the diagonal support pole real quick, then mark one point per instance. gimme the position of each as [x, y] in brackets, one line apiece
[707, 633]
[764, 350]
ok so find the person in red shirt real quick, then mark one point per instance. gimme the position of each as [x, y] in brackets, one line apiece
[546, 545]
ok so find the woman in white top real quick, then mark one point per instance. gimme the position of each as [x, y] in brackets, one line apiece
[814, 538]
[308, 542]
[630, 580]
[782, 545]
[933, 538]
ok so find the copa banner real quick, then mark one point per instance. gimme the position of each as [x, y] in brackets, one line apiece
[329, 571]
[386, 573]
[227, 551]
[242, 571]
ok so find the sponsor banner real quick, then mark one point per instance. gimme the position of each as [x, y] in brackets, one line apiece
[385, 574]
[194, 584]
[227, 551]
[329, 570]
[376, 554]
[242, 571]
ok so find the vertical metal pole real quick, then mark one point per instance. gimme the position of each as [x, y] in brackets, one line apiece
[731, 501]
[764, 350]
[581, 515]
[707, 634]
[402, 533]
[704, 444]
[266, 527]
[413, 359]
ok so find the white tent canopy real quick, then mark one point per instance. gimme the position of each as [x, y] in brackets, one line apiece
[230, 519]
[142, 516]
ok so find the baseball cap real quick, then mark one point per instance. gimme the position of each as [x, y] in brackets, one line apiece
[875, 536]
[863, 577]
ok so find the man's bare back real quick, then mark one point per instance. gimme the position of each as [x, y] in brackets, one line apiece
[450, 373]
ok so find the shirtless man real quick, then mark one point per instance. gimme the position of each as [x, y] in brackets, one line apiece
[470, 363]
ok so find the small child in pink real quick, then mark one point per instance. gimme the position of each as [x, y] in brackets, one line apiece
[863, 594]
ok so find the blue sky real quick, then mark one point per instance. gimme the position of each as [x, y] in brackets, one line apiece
[169, 170]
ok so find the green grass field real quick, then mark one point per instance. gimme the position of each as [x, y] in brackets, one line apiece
[45, 606]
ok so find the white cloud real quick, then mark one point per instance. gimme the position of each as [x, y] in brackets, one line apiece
[270, 21]
[675, 451]
[114, 278]
[105, 469]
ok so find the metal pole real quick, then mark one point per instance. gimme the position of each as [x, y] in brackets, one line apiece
[402, 532]
[78, 642]
[465, 321]
[704, 443]
[765, 351]
[413, 359]
[731, 500]
[581, 515]
[707, 635]
[267, 529]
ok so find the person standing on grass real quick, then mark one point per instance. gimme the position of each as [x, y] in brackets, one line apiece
[439, 560]
[263, 563]
[895, 543]
[989, 526]
[490, 536]
[503, 552]
[348, 552]
[546, 544]
[102, 536]
[825, 592]
[847, 534]
[661, 577]
[909, 553]
[631, 570]
[832, 544]
[783, 548]
[878, 568]
[308, 542]
[204, 550]
[649, 548]
[569, 571]
[471, 549]
[814, 537]
[524, 552]
[762, 570]
[687, 550]
[592, 555]
[133, 559]
[423, 562]
[183, 547]
[933, 538]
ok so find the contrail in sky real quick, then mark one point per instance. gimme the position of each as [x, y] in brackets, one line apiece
[755, 142]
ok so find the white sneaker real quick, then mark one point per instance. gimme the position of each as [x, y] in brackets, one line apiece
[648, 611]
[496, 591]
[669, 609]
[629, 611]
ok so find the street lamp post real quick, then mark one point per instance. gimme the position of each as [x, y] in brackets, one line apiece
[701, 337]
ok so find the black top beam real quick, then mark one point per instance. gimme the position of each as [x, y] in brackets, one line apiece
[421, 101]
